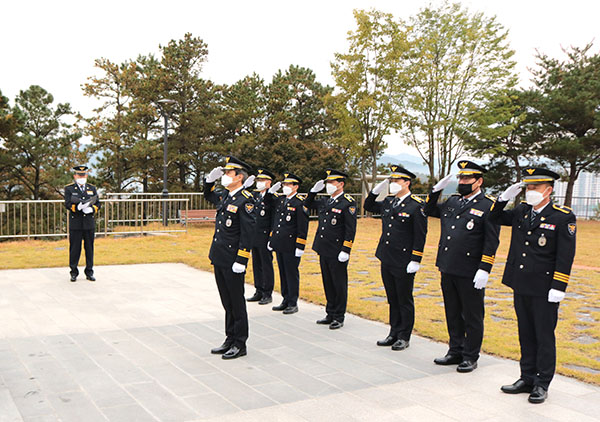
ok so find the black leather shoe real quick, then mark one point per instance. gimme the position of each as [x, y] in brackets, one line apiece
[73, 278]
[538, 395]
[265, 300]
[90, 277]
[221, 349]
[255, 298]
[388, 341]
[234, 352]
[324, 321]
[401, 345]
[335, 325]
[280, 307]
[519, 386]
[290, 310]
[448, 360]
[466, 366]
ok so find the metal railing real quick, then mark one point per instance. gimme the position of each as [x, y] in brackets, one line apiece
[49, 218]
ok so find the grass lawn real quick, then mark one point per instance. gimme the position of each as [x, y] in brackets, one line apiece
[578, 332]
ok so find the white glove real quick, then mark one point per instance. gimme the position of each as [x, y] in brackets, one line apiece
[87, 210]
[555, 295]
[511, 192]
[442, 183]
[343, 257]
[214, 175]
[299, 253]
[380, 187]
[481, 279]
[413, 267]
[238, 268]
[80, 206]
[269, 248]
[249, 181]
[275, 188]
[318, 187]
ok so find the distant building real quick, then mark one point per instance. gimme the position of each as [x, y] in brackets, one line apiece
[586, 194]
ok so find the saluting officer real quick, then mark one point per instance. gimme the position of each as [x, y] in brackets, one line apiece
[538, 268]
[466, 254]
[81, 199]
[400, 250]
[333, 242]
[230, 249]
[262, 258]
[288, 239]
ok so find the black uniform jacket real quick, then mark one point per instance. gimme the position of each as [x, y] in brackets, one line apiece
[541, 254]
[264, 218]
[235, 226]
[290, 225]
[337, 224]
[468, 239]
[74, 195]
[404, 229]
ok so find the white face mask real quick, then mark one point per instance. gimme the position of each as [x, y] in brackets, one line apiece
[395, 188]
[331, 188]
[226, 180]
[261, 185]
[81, 181]
[287, 190]
[533, 197]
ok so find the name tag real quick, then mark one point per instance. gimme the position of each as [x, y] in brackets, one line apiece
[336, 210]
[291, 208]
[547, 226]
[403, 214]
[478, 213]
[232, 208]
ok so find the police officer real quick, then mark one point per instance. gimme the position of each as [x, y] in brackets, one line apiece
[333, 242]
[400, 250]
[230, 249]
[538, 268]
[288, 239]
[81, 199]
[262, 258]
[466, 254]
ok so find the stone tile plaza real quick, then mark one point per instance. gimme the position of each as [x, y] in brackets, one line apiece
[135, 346]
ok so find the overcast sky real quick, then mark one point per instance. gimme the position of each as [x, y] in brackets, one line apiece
[54, 43]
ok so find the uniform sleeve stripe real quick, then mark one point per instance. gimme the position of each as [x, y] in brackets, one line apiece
[73, 207]
[561, 274]
[560, 277]
[301, 241]
[243, 253]
[487, 260]
[417, 253]
[348, 243]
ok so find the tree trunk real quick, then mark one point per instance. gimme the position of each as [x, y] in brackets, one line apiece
[570, 184]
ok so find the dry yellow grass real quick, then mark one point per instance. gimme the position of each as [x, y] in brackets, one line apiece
[578, 332]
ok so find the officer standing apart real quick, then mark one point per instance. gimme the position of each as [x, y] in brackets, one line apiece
[542, 249]
[333, 242]
[262, 258]
[81, 199]
[400, 250]
[288, 239]
[466, 254]
[230, 249]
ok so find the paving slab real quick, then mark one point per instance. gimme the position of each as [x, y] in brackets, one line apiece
[135, 346]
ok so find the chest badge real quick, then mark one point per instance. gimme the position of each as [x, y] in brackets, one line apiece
[288, 218]
[470, 225]
[262, 213]
[228, 222]
[333, 221]
[542, 241]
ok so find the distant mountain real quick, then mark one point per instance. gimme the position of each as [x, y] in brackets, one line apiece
[408, 161]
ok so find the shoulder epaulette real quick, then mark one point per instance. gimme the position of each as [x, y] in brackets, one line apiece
[416, 198]
[301, 197]
[247, 194]
[349, 197]
[70, 184]
[490, 197]
[562, 208]
[455, 194]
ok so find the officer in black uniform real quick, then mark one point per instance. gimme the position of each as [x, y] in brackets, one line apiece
[466, 254]
[538, 268]
[81, 199]
[288, 239]
[400, 250]
[333, 242]
[235, 228]
[262, 258]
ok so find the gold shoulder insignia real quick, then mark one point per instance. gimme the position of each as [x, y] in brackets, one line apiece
[490, 197]
[247, 194]
[416, 198]
[301, 197]
[349, 197]
[70, 184]
[455, 194]
[564, 209]
[523, 202]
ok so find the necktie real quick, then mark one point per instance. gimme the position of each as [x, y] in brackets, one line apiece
[463, 201]
[330, 201]
[533, 216]
[396, 202]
